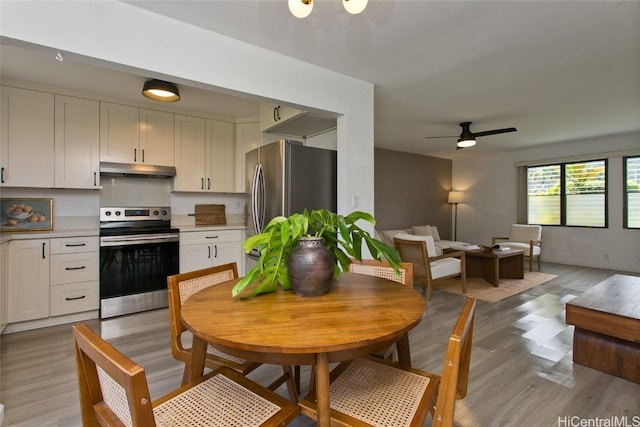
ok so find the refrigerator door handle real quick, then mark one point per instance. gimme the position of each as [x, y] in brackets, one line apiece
[254, 200]
[261, 197]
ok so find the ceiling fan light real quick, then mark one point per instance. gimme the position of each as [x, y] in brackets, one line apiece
[355, 7]
[162, 91]
[300, 8]
[465, 143]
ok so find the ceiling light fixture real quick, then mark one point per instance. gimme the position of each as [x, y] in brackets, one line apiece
[159, 90]
[467, 139]
[302, 8]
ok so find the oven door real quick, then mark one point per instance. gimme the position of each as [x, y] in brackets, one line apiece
[134, 270]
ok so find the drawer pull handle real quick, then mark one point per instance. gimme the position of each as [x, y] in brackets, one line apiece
[75, 298]
[211, 237]
[75, 268]
[73, 245]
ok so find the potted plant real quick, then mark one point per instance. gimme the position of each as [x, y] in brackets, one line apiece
[340, 236]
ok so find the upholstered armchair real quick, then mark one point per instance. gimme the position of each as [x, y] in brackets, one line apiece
[525, 237]
[427, 266]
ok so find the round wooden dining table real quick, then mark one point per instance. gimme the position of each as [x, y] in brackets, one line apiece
[361, 314]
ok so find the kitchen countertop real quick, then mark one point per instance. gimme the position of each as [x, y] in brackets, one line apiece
[189, 228]
[62, 227]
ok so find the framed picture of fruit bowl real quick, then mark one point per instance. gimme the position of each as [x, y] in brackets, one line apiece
[26, 215]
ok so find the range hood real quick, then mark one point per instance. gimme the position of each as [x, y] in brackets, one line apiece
[136, 170]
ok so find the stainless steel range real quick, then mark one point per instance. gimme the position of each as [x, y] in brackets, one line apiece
[138, 250]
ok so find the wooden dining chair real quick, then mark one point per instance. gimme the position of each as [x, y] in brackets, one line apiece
[114, 392]
[368, 391]
[427, 267]
[182, 286]
[384, 270]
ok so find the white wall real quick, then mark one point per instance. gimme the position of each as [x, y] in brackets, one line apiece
[490, 183]
[129, 37]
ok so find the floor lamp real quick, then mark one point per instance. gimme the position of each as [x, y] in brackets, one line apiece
[455, 197]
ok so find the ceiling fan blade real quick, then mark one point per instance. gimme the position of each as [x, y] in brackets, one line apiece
[494, 132]
[435, 137]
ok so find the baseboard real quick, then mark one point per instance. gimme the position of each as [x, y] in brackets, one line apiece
[50, 321]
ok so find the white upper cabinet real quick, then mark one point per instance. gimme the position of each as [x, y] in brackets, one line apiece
[189, 153]
[156, 137]
[248, 137]
[273, 115]
[27, 138]
[77, 143]
[204, 155]
[133, 135]
[220, 156]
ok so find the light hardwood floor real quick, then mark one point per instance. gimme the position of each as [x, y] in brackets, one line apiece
[521, 368]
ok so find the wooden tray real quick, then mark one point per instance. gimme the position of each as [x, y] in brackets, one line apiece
[210, 215]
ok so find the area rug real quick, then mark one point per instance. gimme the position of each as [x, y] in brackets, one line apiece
[485, 291]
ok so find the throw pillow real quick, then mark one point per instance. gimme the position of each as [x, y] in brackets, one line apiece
[434, 233]
[421, 230]
[431, 247]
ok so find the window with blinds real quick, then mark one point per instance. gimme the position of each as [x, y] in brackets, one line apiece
[632, 192]
[572, 194]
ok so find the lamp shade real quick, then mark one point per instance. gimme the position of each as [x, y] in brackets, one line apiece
[456, 197]
[159, 90]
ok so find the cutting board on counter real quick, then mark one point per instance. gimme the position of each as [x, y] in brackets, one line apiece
[210, 215]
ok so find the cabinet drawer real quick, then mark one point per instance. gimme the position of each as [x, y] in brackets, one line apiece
[199, 237]
[70, 245]
[72, 268]
[74, 298]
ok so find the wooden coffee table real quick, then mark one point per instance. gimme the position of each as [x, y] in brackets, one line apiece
[607, 327]
[491, 266]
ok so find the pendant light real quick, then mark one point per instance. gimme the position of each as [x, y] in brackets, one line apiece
[159, 90]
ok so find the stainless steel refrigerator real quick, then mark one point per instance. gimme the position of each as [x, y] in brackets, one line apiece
[286, 177]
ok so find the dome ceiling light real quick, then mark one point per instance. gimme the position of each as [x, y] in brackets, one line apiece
[162, 91]
[302, 8]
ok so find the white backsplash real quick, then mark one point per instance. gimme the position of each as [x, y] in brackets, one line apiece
[131, 192]
[135, 192]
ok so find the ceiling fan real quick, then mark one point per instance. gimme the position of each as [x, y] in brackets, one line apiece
[468, 138]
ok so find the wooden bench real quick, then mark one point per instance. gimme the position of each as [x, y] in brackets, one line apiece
[607, 327]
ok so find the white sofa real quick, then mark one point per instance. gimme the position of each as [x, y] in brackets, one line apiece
[387, 236]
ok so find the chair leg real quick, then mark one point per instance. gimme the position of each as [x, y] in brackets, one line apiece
[531, 263]
[185, 374]
[428, 290]
[291, 383]
[539, 263]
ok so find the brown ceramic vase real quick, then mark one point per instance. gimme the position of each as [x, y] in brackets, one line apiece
[311, 267]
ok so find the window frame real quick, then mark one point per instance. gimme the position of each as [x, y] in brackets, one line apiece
[625, 194]
[563, 192]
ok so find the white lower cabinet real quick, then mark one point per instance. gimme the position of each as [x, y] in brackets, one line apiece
[74, 275]
[52, 277]
[28, 279]
[4, 285]
[202, 249]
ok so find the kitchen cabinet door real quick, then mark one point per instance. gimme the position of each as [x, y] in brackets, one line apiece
[26, 138]
[77, 143]
[4, 285]
[156, 138]
[204, 249]
[190, 142]
[273, 115]
[28, 279]
[220, 172]
[226, 252]
[195, 257]
[248, 137]
[119, 133]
